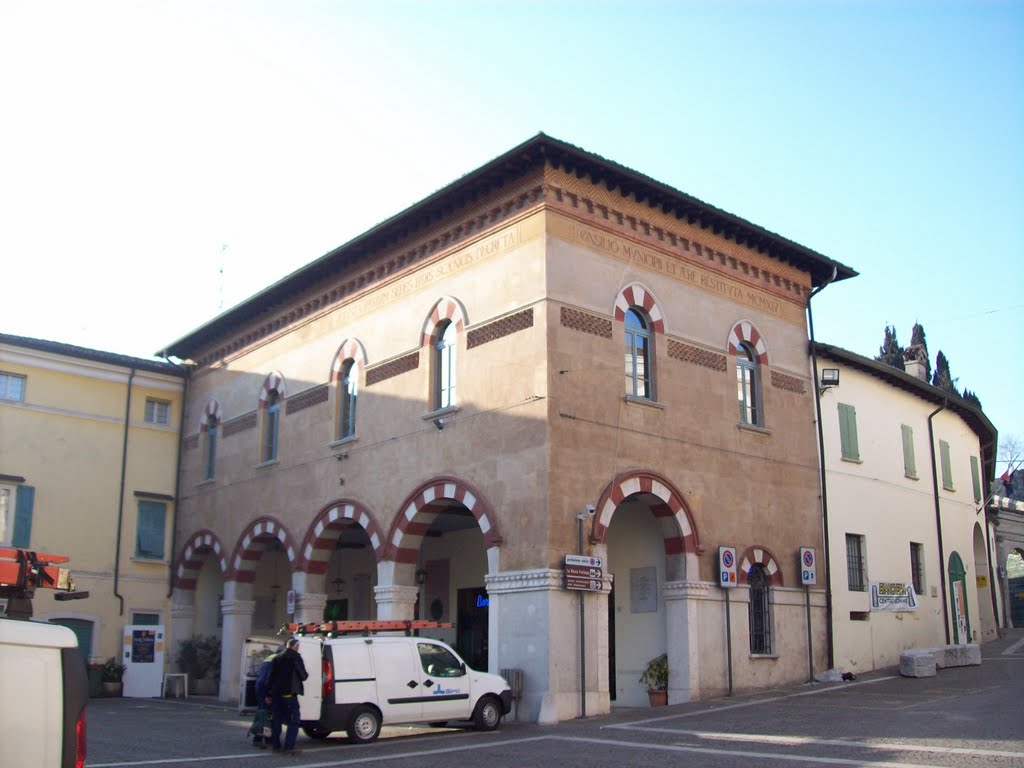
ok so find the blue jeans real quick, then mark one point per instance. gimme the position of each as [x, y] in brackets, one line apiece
[286, 710]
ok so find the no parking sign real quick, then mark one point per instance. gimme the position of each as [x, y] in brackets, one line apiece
[727, 567]
[808, 567]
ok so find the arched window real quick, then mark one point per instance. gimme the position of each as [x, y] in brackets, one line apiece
[760, 610]
[748, 385]
[638, 355]
[271, 422]
[347, 399]
[444, 365]
[210, 448]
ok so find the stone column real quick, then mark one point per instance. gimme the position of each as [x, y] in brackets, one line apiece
[532, 626]
[237, 625]
[309, 607]
[395, 601]
[681, 628]
[183, 617]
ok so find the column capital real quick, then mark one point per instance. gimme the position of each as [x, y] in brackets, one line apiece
[538, 580]
[686, 590]
[238, 607]
[180, 611]
[396, 593]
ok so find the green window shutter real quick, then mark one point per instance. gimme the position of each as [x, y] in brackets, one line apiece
[24, 500]
[909, 467]
[848, 432]
[149, 530]
[976, 478]
[947, 469]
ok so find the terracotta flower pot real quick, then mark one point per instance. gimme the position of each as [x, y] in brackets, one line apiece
[658, 698]
[112, 689]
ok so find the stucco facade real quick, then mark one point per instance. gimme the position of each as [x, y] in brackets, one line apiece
[87, 440]
[882, 478]
[482, 335]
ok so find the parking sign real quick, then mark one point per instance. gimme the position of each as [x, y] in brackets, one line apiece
[808, 567]
[727, 567]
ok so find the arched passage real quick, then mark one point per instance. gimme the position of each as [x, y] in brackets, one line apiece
[442, 545]
[1015, 586]
[198, 587]
[651, 545]
[958, 599]
[339, 556]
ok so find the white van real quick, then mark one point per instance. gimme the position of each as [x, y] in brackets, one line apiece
[45, 690]
[370, 681]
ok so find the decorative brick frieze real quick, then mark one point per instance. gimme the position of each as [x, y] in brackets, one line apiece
[506, 326]
[690, 354]
[586, 322]
[399, 365]
[239, 424]
[788, 383]
[191, 442]
[312, 396]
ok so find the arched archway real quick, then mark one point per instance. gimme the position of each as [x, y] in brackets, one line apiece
[646, 530]
[986, 620]
[443, 544]
[339, 557]
[198, 587]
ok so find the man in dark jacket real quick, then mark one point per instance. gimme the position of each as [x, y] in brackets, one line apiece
[287, 672]
[262, 691]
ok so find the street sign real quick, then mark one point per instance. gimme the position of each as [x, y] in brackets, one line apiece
[727, 568]
[583, 572]
[593, 562]
[808, 567]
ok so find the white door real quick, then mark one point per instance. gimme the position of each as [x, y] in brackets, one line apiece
[444, 683]
[143, 657]
[311, 651]
[399, 694]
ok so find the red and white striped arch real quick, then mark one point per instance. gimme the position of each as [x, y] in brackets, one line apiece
[672, 513]
[253, 543]
[636, 295]
[273, 381]
[744, 331]
[211, 414]
[199, 547]
[422, 507]
[350, 349]
[322, 536]
[756, 555]
[446, 308]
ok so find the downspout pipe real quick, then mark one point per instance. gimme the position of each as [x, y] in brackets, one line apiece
[938, 516]
[830, 643]
[177, 475]
[120, 502]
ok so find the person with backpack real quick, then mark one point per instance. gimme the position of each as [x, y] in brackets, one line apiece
[261, 687]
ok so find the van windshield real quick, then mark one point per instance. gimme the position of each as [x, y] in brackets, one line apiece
[438, 661]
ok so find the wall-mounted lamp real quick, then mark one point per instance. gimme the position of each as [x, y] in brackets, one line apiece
[829, 378]
[439, 423]
[421, 577]
[339, 584]
[341, 456]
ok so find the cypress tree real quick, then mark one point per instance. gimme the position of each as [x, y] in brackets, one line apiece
[972, 398]
[891, 353]
[943, 379]
[917, 338]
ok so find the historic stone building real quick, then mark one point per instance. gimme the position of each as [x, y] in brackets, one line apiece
[413, 424]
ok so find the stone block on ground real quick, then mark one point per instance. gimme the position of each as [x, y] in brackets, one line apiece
[918, 663]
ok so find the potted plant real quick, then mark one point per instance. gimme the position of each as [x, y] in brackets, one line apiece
[655, 679]
[199, 657]
[112, 677]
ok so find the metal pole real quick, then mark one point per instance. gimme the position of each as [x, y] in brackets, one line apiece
[728, 637]
[583, 634]
[810, 649]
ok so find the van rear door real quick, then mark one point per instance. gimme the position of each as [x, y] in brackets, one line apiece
[399, 693]
[311, 651]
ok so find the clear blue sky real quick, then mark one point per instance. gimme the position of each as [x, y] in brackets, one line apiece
[161, 161]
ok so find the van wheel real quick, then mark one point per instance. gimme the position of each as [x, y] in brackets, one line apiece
[487, 714]
[364, 726]
[317, 732]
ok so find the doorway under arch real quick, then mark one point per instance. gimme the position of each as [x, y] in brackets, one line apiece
[958, 599]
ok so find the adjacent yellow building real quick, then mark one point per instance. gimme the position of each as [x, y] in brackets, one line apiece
[88, 456]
